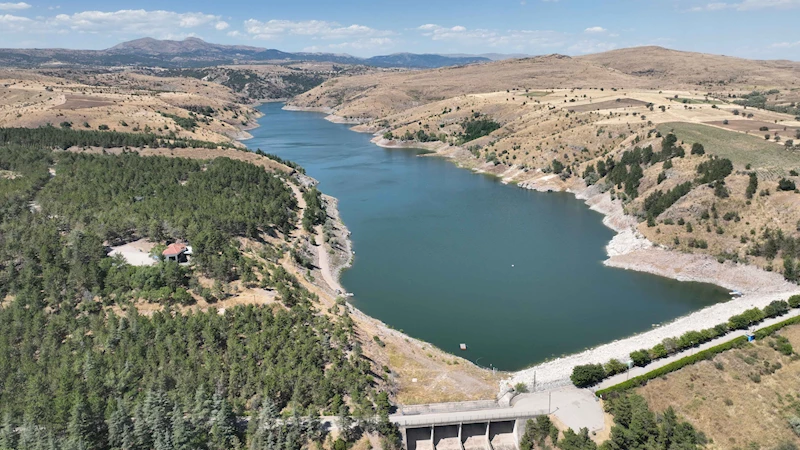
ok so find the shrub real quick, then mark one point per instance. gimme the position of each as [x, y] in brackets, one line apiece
[673, 366]
[587, 375]
[521, 388]
[658, 351]
[697, 149]
[745, 319]
[752, 186]
[794, 424]
[715, 169]
[794, 301]
[786, 185]
[614, 366]
[776, 308]
[783, 345]
[640, 358]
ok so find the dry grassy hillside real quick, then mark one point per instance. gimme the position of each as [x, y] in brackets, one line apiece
[556, 123]
[122, 101]
[743, 398]
[671, 67]
[377, 95]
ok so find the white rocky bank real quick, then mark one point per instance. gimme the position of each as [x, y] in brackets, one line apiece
[630, 250]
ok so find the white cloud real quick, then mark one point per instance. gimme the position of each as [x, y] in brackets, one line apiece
[785, 44]
[595, 30]
[7, 6]
[221, 26]
[591, 46]
[13, 23]
[512, 39]
[132, 21]
[365, 44]
[749, 5]
[315, 29]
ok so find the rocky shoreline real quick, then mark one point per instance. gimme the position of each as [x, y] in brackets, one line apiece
[629, 250]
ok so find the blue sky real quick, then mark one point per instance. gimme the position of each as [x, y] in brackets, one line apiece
[763, 29]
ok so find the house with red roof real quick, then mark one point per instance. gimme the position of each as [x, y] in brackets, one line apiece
[176, 252]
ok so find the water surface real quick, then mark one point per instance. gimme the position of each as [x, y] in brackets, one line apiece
[452, 257]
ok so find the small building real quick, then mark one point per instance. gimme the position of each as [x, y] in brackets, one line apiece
[176, 252]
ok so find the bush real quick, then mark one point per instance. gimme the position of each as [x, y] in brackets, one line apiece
[671, 367]
[776, 308]
[786, 185]
[745, 319]
[794, 301]
[697, 149]
[715, 169]
[658, 351]
[587, 375]
[768, 331]
[615, 366]
[640, 358]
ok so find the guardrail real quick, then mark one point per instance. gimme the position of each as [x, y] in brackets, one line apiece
[432, 408]
[455, 418]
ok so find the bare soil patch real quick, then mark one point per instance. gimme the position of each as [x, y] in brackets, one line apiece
[755, 126]
[609, 104]
[80, 102]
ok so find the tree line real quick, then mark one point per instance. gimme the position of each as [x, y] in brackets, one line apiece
[75, 374]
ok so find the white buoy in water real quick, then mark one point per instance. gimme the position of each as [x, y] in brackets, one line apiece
[512, 265]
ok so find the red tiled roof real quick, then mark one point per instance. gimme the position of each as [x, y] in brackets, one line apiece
[174, 249]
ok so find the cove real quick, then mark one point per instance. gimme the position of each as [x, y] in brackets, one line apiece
[452, 257]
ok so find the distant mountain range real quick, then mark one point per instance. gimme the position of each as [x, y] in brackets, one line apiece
[194, 52]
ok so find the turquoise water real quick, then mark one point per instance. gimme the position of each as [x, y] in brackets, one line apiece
[452, 257]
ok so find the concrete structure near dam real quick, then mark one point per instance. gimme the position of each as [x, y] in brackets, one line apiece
[491, 435]
[492, 425]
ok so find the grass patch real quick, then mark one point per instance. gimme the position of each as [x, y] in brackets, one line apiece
[709, 353]
[537, 94]
[673, 366]
[741, 149]
[695, 101]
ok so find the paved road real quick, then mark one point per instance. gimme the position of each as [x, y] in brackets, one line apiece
[636, 371]
[576, 408]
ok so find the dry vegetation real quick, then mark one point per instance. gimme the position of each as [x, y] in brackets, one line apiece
[558, 116]
[742, 396]
[122, 101]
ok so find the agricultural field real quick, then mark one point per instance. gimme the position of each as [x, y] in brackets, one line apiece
[764, 156]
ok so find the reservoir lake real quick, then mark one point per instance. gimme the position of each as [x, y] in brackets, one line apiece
[452, 257]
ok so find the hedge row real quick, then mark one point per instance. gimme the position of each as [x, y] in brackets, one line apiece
[767, 331]
[673, 366]
[699, 356]
[589, 375]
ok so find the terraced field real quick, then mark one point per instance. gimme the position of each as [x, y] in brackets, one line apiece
[766, 157]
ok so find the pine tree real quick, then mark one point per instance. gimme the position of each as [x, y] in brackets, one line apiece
[28, 436]
[223, 432]
[120, 426]
[8, 433]
[82, 426]
[345, 424]
[181, 436]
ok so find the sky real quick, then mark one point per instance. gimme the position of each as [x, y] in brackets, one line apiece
[760, 29]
